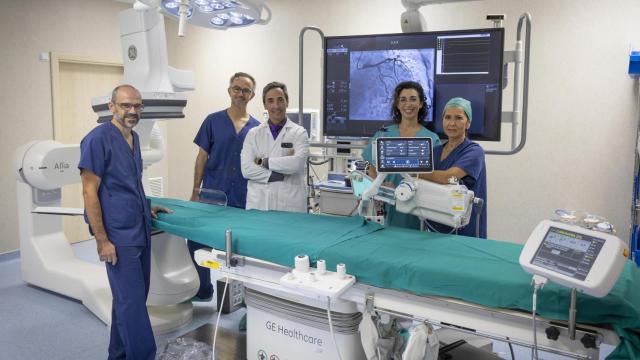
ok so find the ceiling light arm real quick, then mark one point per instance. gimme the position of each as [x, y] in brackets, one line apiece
[416, 4]
[412, 20]
[265, 21]
[183, 11]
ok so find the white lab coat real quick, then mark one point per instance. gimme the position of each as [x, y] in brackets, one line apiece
[289, 194]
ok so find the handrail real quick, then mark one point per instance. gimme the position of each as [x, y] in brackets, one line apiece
[516, 92]
[301, 68]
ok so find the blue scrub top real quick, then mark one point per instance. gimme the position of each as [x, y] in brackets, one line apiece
[126, 212]
[396, 218]
[469, 157]
[217, 136]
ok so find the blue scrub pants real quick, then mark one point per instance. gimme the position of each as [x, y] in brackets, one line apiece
[131, 334]
[206, 288]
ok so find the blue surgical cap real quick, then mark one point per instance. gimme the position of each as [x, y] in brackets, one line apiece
[461, 103]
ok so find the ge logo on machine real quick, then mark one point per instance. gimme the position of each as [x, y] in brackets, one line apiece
[132, 52]
[262, 355]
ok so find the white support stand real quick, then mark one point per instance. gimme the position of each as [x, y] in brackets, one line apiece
[48, 261]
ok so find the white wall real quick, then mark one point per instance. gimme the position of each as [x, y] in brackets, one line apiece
[28, 28]
[582, 118]
[583, 106]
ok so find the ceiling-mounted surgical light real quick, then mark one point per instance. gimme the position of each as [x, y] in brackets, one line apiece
[217, 14]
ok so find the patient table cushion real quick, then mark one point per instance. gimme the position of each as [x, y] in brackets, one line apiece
[480, 271]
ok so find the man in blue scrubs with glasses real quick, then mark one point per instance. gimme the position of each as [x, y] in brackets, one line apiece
[217, 167]
[119, 216]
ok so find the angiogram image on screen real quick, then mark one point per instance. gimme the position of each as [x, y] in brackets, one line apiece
[361, 72]
[375, 74]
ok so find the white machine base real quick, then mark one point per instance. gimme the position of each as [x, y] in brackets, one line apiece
[165, 319]
[276, 335]
[48, 262]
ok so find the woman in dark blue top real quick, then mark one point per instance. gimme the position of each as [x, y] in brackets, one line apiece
[463, 159]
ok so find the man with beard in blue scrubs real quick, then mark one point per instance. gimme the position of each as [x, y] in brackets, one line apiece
[119, 216]
[217, 167]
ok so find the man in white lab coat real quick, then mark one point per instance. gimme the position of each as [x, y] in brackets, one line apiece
[274, 156]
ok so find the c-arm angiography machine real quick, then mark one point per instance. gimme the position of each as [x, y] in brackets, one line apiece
[43, 167]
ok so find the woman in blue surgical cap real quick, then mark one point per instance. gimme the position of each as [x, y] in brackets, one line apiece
[461, 158]
[408, 112]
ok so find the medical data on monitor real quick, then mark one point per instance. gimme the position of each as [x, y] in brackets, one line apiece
[404, 155]
[362, 71]
[568, 253]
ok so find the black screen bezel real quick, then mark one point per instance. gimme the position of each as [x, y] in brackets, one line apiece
[496, 124]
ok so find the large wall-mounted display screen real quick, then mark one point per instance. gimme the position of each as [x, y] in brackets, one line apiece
[362, 71]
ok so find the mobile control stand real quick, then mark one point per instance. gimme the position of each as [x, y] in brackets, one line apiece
[579, 258]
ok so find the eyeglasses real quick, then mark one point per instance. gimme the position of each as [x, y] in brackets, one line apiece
[238, 89]
[127, 106]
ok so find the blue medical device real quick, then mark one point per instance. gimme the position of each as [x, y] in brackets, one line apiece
[634, 63]
[635, 244]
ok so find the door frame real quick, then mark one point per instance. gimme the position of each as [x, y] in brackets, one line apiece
[56, 59]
